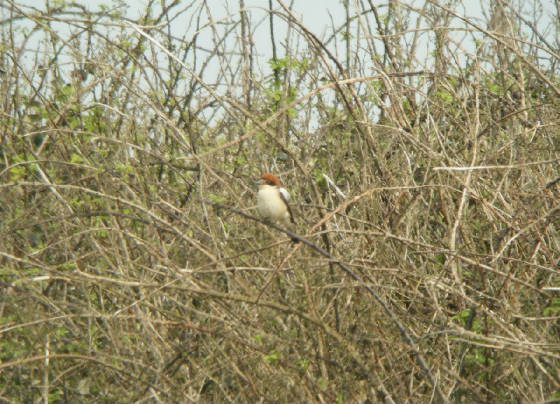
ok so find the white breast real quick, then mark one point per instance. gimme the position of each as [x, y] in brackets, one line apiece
[270, 204]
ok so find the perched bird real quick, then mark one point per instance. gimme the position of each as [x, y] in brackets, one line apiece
[272, 200]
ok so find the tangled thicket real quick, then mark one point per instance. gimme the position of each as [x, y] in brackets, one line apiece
[421, 149]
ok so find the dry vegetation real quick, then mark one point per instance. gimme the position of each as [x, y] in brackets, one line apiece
[422, 152]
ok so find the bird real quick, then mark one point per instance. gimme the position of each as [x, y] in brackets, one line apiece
[272, 200]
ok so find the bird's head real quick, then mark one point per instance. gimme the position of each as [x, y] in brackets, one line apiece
[270, 179]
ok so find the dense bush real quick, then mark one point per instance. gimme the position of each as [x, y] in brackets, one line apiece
[421, 148]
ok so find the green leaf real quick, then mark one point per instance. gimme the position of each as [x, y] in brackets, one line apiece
[272, 357]
[340, 398]
[61, 331]
[217, 198]
[303, 364]
[553, 309]
[15, 173]
[76, 158]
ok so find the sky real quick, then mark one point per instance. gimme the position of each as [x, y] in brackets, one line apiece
[318, 16]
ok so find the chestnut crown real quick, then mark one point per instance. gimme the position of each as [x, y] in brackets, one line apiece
[271, 179]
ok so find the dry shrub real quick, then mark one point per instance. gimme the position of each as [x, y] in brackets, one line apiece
[425, 184]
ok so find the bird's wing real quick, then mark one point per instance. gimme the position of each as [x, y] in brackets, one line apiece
[286, 198]
[285, 194]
